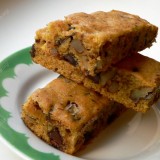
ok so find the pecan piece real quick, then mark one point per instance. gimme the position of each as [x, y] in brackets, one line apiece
[77, 45]
[73, 109]
[141, 93]
[106, 77]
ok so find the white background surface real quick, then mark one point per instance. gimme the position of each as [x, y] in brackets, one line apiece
[19, 19]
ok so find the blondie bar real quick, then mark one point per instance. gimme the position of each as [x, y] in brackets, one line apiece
[133, 82]
[66, 115]
[92, 42]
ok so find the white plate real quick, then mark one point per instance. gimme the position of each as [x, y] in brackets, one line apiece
[133, 136]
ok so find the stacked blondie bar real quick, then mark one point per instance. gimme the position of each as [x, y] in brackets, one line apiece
[102, 74]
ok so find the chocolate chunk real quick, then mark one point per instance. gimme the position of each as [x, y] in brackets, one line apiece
[95, 79]
[71, 59]
[135, 69]
[55, 137]
[37, 40]
[32, 51]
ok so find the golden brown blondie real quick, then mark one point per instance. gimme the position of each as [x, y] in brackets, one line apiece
[92, 42]
[66, 115]
[133, 82]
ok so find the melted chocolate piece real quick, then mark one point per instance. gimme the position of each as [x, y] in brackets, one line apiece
[71, 59]
[55, 137]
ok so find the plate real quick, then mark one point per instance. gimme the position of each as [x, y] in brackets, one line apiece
[132, 136]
